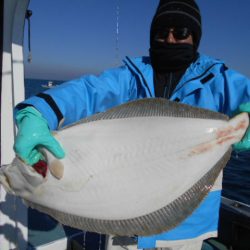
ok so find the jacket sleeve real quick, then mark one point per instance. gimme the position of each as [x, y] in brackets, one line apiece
[237, 91]
[79, 98]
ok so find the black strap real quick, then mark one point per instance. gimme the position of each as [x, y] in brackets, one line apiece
[207, 78]
[23, 105]
[52, 104]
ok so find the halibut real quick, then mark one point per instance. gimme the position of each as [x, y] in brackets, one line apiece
[140, 168]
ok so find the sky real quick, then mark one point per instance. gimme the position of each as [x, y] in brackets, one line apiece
[77, 37]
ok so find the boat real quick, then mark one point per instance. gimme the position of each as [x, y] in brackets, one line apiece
[49, 85]
[234, 227]
[17, 229]
[23, 228]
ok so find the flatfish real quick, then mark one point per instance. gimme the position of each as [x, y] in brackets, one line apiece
[137, 169]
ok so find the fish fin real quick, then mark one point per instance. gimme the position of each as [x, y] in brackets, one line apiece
[149, 107]
[56, 168]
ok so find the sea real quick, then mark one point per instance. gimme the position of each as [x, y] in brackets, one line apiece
[236, 179]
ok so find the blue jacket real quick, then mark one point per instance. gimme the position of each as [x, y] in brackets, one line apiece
[207, 83]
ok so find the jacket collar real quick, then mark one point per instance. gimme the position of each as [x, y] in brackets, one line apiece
[198, 69]
[141, 67]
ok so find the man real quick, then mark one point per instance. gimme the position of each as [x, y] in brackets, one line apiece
[174, 70]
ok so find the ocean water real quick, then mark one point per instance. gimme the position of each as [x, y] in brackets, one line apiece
[236, 179]
[35, 86]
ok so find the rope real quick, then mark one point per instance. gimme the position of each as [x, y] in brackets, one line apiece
[27, 16]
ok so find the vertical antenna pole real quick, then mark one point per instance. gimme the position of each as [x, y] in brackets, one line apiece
[117, 52]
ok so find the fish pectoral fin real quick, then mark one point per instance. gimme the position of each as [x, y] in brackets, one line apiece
[56, 169]
[55, 166]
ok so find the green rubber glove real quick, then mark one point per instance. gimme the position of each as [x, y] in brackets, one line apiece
[33, 132]
[244, 144]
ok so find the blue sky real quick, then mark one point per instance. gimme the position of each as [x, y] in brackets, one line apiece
[72, 38]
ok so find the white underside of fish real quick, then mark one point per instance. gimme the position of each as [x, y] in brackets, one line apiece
[121, 171]
[118, 169]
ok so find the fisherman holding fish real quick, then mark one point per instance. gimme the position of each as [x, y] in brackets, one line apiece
[173, 70]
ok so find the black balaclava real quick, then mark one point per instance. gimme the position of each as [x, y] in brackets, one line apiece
[166, 57]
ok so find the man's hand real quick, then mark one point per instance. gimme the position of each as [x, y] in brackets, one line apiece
[244, 144]
[33, 133]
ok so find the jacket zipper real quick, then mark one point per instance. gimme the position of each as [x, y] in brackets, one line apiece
[168, 86]
[142, 76]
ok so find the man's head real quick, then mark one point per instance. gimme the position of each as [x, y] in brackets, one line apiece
[175, 35]
[177, 15]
